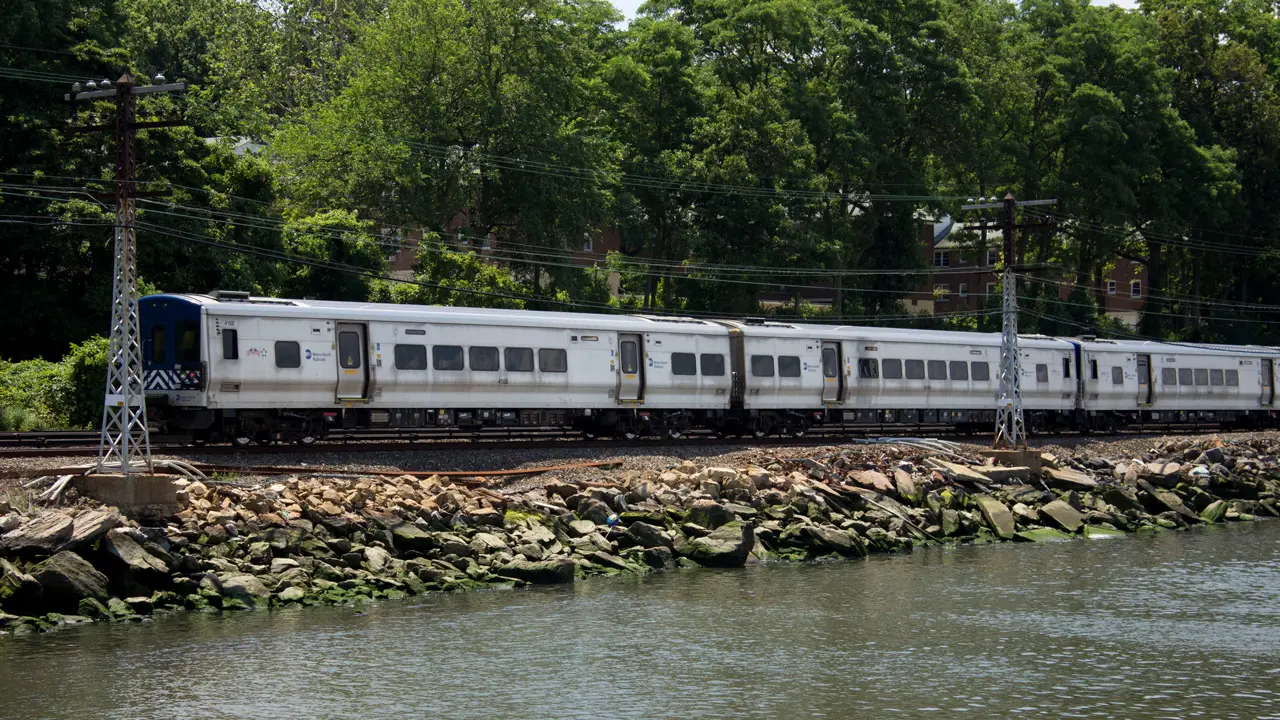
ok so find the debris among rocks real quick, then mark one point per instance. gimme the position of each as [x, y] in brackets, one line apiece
[306, 540]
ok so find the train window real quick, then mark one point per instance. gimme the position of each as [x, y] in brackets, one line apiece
[157, 344]
[868, 368]
[830, 363]
[712, 365]
[230, 345]
[188, 332]
[287, 354]
[1117, 375]
[1093, 369]
[411, 357]
[1185, 376]
[937, 370]
[1169, 376]
[762, 365]
[1042, 373]
[630, 357]
[1066, 368]
[1215, 377]
[684, 364]
[1233, 378]
[553, 360]
[349, 349]
[1202, 377]
[959, 370]
[915, 369]
[981, 371]
[483, 359]
[788, 366]
[447, 357]
[891, 368]
[518, 359]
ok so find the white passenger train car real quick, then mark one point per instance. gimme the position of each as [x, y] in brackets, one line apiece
[230, 366]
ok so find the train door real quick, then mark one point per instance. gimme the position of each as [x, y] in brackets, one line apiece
[1268, 382]
[353, 362]
[1144, 379]
[630, 368]
[832, 378]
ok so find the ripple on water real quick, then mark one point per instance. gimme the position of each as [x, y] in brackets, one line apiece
[1176, 625]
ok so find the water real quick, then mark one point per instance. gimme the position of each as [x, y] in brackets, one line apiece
[1180, 625]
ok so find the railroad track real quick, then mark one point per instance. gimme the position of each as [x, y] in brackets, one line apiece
[85, 444]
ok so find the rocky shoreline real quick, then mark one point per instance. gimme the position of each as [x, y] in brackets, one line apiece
[318, 540]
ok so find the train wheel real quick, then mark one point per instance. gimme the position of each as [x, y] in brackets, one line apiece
[758, 432]
[799, 432]
[242, 441]
[587, 434]
[307, 440]
[630, 434]
[675, 433]
[265, 441]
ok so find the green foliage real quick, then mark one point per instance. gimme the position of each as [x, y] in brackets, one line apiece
[86, 371]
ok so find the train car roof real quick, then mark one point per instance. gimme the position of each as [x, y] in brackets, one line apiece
[394, 312]
[1156, 347]
[867, 333]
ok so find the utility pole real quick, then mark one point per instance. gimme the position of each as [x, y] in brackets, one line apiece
[1011, 429]
[125, 443]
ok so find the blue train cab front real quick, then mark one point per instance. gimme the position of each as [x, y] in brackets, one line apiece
[171, 353]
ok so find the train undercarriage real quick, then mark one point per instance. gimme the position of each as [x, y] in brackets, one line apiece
[303, 426]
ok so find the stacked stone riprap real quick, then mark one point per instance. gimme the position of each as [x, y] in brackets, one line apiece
[307, 540]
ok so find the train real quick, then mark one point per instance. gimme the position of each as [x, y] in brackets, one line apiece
[231, 367]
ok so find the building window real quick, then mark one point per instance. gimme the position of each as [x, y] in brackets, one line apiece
[991, 289]
[1111, 287]
[964, 289]
[993, 257]
[1135, 289]
[587, 244]
[942, 258]
[941, 291]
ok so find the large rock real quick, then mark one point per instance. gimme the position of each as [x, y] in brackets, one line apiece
[246, 589]
[827, 539]
[66, 579]
[726, 546]
[997, 516]
[18, 590]
[407, 536]
[43, 535]
[1069, 479]
[950, 522]
[1063, 515]
[376, 559]
[88, 527]
[906, 486]
[134, 557]
[1211, 514]
[595, 511]
[872, 479]
[646, 536]
[543, 572]
[709, 514]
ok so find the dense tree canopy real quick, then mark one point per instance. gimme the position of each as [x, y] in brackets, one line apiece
[734, 145]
